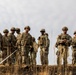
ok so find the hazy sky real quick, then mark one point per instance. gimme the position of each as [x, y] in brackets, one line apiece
[49, 14]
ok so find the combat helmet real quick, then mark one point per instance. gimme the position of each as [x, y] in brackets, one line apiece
[27, 27]
[74, 32]
[5, 31]
[13, 29]
[17, 29]
[42, 30]
[65, 29]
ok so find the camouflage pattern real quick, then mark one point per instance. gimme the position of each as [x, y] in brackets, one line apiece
[17, 29]
[33, 53]
[65, 29]
[42, 42]
[74, 49]
[6, 45]
[5, 31]
[63, 42]
[47, 47]
[13, 40]
[1, 52]
[42, 30]
[18, 44]
[12, 29]
[1, 41]
[27, 27]
[26, 45]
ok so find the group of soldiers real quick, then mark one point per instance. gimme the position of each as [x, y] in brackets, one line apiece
[27, 47]
[64, 41]
[22, 49]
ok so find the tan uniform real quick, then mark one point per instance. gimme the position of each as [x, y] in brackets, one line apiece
[42, 42]
[47, 48]
[74, 50]
[18, 53]
[63, 42]
[34, 53]
[26, 43]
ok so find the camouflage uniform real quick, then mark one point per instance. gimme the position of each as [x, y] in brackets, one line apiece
[13, 40]
[63, 42]
[1, 52]
[74, 48]
[0, 41]
[42, 42]
[18, 44]
[33, 52]
[26, 45]
[5, 45]
[47, 45]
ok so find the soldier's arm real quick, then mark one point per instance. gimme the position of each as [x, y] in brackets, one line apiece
[59, 40]
[48, 42]
[69, 41]
[21, 38]
[38, 41]
[36, 47]
[31, 42]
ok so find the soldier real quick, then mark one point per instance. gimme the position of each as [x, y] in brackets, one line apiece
[42, 42]
[13, 40]
[74, 48]
[18, 44]
[34, 52]
[63, 42]
[47, 45]
[5, 45]
[26, 43]
[0, 41]
[1, 53]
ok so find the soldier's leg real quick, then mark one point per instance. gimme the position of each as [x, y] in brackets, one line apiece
[27, 57]
[74, 57]
[1, 56]
[73, 60]
[41, 57]
[13, 57]
[4, 55]
[19, 58]
[46, 58]
[65, 56]
[33, 58]
[8, 53]
[22, 54]
[65, 59]
[59, 59]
